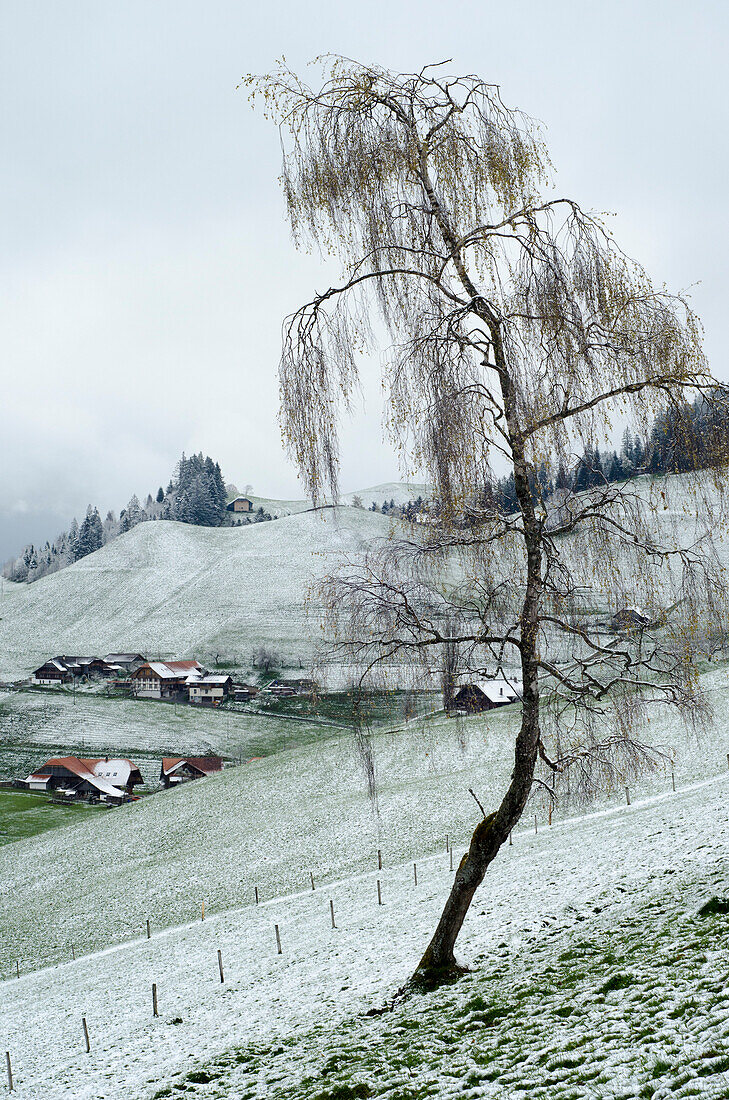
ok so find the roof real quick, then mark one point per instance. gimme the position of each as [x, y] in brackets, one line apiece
[497, 691]
[55, 663]
[171, 670]
[204, 764]
[99, 773]
[124, 657]
[208, 679]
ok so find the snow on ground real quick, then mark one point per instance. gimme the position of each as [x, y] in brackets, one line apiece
[174, 589]
[595, 977]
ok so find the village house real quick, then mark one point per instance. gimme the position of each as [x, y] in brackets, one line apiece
[240, 504]
[177, 769]
[108, 780]
[52, 673]
[210, 690]
[629, 619]
[164, 679]
[126, 662]
[486, 695]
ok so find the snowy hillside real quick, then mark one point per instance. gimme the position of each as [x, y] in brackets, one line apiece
[597, 971]
[400, 492]
[175, 589]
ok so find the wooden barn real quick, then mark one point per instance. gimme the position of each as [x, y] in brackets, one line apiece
[178, 769]
[486, 695]
[240, 504]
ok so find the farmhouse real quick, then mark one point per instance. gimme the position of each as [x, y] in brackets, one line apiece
[127, 662]
[163, 679]
[51, 673]
[241, 504]
[176, 769]
[210, 690]
[107, 780]
[629, 618]
[486, 695]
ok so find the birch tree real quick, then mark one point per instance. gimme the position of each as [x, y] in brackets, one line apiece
[518, 333]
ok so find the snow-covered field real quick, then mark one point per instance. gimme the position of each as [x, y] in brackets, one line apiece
[174, 589]
[595, 976]
[277, 1020]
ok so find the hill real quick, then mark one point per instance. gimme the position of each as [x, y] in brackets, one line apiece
[175, 589]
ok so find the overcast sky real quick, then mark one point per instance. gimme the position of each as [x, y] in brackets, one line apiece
[144, 259]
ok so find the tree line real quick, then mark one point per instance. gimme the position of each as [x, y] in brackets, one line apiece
[195, 494]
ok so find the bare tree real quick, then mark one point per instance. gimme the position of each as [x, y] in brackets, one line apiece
[519, 332]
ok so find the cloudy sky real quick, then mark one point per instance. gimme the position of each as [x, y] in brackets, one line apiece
[145, 263]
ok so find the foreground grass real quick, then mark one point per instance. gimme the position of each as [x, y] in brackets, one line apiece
[24, 814]
[631, 1001]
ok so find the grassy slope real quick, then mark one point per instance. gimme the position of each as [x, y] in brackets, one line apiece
[23, 814]
[170, 588]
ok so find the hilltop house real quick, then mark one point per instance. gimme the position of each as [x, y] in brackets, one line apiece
[164, 679]
[486, 695]
[210, 690]
[108, 780]
[176, 769]
[240, 504]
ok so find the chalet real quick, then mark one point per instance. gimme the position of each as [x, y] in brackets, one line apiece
[127, 662]
[210, 690]
[629, 619]
[486, 695]
[176, 769]
[52, 673]
[163, 679]
[241, 504]
[108, 780]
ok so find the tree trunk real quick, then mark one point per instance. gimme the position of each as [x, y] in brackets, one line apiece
[438, 964]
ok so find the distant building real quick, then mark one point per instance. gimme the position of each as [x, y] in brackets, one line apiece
[210, 690]
[629, 618]
[486, 695]
[243, 692]
[52, 673]
[241, 504]
[178, 769]
[163, 679]
[106, 779]
[128, 662]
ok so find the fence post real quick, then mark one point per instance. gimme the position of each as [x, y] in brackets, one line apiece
[451, 856]
[149, 934]
[447, 844]
[155, 1012]
[627, 795]
[415, 873]
[10, 1072]
[673, 779]
[278, 940]
[203, 910]
[256, 889]
[510, 841]
[331, 908]
[17, 968]
[379, 860]
[379, 892]
[220, 965]
[311, 875]
[86, 1035]
[73, 952]
[536, 830]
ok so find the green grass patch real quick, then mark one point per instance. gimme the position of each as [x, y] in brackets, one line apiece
[27, 813]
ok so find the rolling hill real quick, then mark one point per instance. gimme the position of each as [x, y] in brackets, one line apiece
[174, 589]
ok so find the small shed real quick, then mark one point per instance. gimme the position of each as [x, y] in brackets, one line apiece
[178, 769]
[240, 504]
[486, 695]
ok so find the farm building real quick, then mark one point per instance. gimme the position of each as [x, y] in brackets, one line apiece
[51, 673]
[629, 618]
[163, 679]
[176, 769]
[109, 780]
[486, 695]
[210, 690]
[240, 504]
[127, 662]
